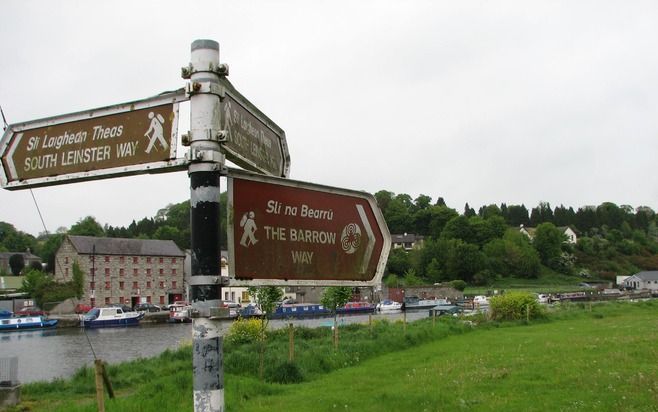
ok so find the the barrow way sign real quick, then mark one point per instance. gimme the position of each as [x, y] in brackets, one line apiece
[129, 138]
[285, 232]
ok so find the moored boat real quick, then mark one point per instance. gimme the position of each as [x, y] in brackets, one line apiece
[356, 307]
[26, 322]
[388, 305]
[414, 302]
[110, 317]
[300, 310]
[180, 312]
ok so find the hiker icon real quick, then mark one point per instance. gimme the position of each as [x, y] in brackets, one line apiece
[156, 132]
[249, 224]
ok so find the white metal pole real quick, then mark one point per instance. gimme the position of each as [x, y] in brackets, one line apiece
[206, 162]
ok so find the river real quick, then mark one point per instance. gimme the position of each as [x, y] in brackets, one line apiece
[44, 355]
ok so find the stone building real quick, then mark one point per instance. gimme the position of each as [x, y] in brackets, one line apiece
[125, 271]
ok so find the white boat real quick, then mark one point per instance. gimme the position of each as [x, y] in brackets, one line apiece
[110, 317]
[414, 302]
[388, 305]
[480, 300]
[180, 312]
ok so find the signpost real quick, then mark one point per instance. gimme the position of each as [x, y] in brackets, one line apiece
[125, 139]
[253, 141]
[284, 232]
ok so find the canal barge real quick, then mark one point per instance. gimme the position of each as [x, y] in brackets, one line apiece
[26, 322]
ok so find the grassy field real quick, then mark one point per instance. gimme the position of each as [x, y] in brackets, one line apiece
[578, 359]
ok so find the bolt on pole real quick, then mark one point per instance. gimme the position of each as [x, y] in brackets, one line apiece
[205, 164]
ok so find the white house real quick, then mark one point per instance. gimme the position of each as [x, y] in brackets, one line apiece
[643, 280]
[407, 241]
[566, 231]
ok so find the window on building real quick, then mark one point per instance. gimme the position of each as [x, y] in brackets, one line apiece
[173, 271]
[107, 285]
[148, 272]
[148, 259]
[173, 260]
[107, 271]
[162, 271]
[122, 300]
[107, 259]
[161, 260]
[148, 284]
[66, 271]
[135, 272]
[92, 258]
[122, 259]
[135, 260]
[148, 299]
[161, 285]
[93, 302]
[107, 301]
[92, 285]
[225, 295]
[173, 284]
[162, 301]
[135, 285]
[121, 285]
[66, 259]
[121, 272]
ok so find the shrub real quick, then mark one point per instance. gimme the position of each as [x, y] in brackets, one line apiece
[244, 331]
[286, 372]
[458, 284]
[515, 306]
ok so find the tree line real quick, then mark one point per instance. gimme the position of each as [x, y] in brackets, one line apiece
[480, 247]
[469, 245]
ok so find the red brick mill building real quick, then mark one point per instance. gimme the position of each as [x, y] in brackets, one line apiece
[125, 271]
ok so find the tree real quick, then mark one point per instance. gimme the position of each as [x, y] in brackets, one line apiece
[517, 215]
[16, 263]
[267, 297]
[334, 297]
[87, 227]
[548, 243]
[398, 261]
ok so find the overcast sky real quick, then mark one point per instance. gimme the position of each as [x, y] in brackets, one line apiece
[474, 101]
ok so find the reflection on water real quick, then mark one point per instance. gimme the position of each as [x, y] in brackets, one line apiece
[49, 354]
[55, 353]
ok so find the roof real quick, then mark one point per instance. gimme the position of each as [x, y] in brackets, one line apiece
[648, 275]
[26, 255]
[405, 238]
[87, 245]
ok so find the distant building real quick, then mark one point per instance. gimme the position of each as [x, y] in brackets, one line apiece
[643, 280]
[407, 241]
[565, 230]
[126, 271]
[28, 258]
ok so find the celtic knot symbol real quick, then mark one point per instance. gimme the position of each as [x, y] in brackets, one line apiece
[351, 238]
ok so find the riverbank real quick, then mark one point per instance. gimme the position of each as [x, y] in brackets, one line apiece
[582, 357]
[73, 321]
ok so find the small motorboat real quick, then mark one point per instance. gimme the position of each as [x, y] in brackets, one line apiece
[110, 317]
[388, 305]
[26, 322]
[179, 312]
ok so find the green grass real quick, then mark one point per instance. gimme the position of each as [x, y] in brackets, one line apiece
[582, 358]
[548, 282]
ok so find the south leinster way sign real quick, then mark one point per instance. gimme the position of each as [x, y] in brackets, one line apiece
[124, 139]
[285, 232]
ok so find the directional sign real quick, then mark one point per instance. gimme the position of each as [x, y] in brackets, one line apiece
[254, 142]
[284, 232]
[130, 138]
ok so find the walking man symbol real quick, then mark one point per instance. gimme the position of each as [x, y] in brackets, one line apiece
[249, 224]
[157, 132]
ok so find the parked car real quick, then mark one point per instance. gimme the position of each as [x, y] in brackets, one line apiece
[81, 308]
[30, 311]
[146, 307]
[230, 304]
[124, 308]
